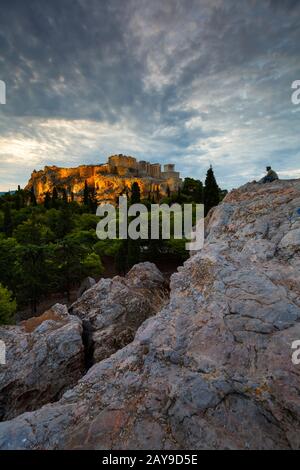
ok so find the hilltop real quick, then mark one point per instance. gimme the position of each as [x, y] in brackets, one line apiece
[107, 180]
[212, 369]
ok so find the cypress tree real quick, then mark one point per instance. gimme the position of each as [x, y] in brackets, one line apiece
[211, 191]
[157, 194]
[18, 199]
[64, 196]
[135, 193]
[32, 197]
[54, 197]
[86, 194]
[92, 200]
[47, 200]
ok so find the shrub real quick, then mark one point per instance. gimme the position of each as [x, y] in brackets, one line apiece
[8, 306]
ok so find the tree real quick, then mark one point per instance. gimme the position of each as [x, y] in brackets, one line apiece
[32, 197]
[54, 197]
[18, 199]
[86, 194]
[107, 247]
[33, 232]
[64, 196]
[69, 255]
[65, 221]
[176, 248]
[47, 200]
[157, 194]
[9, 262]
[7, 306]
[194, 189]
[33, 279]
[91, 265]
[133, 253]
[7, 222]
[222, 194]
[154, 249]
[135, 193]
[92, 200]
[87, 221]
[121, 257]
[211, 191]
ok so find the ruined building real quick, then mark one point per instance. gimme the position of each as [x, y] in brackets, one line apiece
[109, 180]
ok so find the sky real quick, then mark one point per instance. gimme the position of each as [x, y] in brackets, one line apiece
[190, 82]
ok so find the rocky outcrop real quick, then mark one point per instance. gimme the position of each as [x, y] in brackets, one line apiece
[108, 181]
[113, 309]
[86, 284]
[213, 368]
[44, 356]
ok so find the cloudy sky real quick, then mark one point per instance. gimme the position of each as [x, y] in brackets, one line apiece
[193, 82]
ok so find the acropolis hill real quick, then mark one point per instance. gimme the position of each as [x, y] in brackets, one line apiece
[109, 180]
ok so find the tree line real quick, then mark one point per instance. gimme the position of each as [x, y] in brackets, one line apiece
[50, 247]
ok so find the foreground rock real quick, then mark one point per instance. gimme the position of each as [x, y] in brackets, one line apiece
[44, 356]
[213, 369]
[113, 309]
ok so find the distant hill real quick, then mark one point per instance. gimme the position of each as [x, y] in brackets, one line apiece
[5, 192]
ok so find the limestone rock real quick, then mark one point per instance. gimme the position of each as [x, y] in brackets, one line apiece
[213, 369]
[44, 356]
[109, 180]
[113, 309]
[86, 284]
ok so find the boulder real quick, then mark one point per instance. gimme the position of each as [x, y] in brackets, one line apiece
[44, 356]
[113, 309]
[86, 284]
[213, 369]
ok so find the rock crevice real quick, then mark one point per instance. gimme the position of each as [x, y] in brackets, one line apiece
[213, 368]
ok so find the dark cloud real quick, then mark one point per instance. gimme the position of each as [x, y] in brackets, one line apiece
[287, 4]
[196, 82]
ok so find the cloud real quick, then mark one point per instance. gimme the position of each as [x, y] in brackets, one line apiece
[195, 82]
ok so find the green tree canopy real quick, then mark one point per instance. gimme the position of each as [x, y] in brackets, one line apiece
[32, 197]
[91, 265]
[33, 278]
[7, 222]
[32, 231]
[7, 306]
[194, 189]
[135, 193]
[9, 262]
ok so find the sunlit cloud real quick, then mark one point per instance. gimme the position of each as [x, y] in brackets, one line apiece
[194, 83]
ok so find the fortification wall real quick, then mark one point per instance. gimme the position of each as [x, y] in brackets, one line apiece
[109, 180]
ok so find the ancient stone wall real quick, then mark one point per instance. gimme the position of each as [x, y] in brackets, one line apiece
[110, 180]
